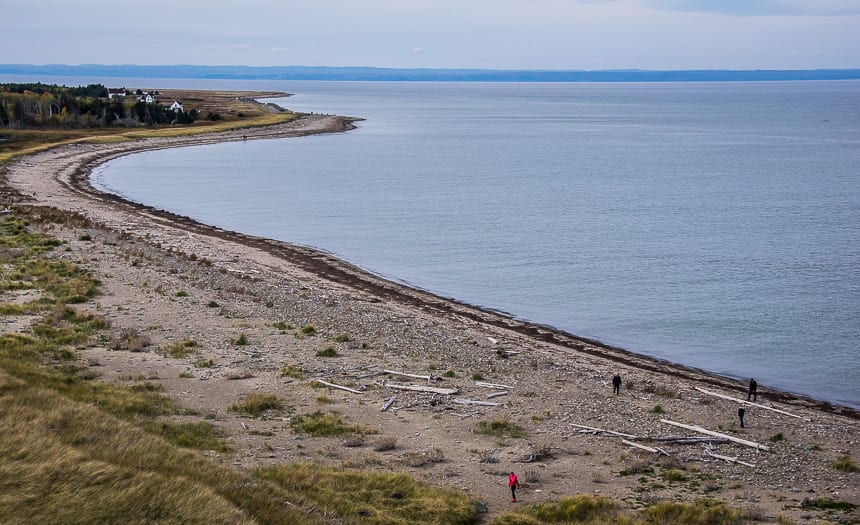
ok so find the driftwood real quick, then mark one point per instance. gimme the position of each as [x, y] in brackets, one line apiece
[727, 458]
[705, 431]
[593, 429]
[429, 379]
[461, 401]
[643, 447]
[419, 388]
[497, 394]
[739, 400]
[388, 403]
[680, 440]
[493, 385]
[339, 387]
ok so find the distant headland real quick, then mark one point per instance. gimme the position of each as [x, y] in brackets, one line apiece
[427, 75]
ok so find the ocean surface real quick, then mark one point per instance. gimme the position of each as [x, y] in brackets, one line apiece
[711, 224]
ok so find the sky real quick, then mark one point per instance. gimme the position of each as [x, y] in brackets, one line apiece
[491, 34]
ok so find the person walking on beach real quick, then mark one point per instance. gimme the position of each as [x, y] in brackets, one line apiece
[513, 482]
[616, 384]
[752, 391]
[741, 413]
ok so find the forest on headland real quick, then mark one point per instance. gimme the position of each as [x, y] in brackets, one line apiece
[50, 105]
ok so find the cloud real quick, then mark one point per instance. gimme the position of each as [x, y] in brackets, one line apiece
[761, 7]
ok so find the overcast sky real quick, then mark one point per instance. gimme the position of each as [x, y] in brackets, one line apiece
[499, 34]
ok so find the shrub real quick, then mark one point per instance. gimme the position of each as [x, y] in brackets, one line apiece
[776, 438]
[309, 329]
[477, 377]
[239, 341]
[845, 464]
[212, 304]
[342, 338]
[450, 373]
[384, 443]
[292, 371]
[329, 351]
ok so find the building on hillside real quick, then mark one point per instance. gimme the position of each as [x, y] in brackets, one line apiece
[116, 92]
[146, 97]
[177, 106]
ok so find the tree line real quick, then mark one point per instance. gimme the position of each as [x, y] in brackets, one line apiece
[50, 105]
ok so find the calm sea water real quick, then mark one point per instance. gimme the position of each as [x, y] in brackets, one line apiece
[715, 225]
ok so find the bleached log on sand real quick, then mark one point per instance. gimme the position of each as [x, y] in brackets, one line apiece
[429, 379]
[744, 401]
[727, 458]
[339, 387]
[593, 429]
[707, 432]
[497, 394]
[493, 385]
[419, 388]
[461, 401]
[643, 447]
[388, 403]
[679, 440]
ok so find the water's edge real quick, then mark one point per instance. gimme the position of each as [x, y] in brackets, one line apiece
[333, 269]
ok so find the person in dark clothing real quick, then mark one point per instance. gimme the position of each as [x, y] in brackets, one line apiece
[741, 413]
[616, 384]
[752, 391]
[513, 482]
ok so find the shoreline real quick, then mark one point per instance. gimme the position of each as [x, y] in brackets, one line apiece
[341, 272]
[306, 316]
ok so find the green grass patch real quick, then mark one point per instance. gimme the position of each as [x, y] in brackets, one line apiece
[200, 436]
[374, 498]
[327, 424]
[292, 371]
[241, 340]
[179, 349]
[329, 351]
[255, 404]
[308, 329]
[341, 338]
[845, 464]
[501, 428]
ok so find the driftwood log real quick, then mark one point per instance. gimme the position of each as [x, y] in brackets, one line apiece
[745, 402]
[339, 387]
[705, 431]
[461, 401]
[388, 403]
[419, 388]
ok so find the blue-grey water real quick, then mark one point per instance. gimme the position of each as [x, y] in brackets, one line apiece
[715, 224]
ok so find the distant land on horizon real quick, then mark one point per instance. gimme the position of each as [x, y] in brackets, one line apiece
[434, 75]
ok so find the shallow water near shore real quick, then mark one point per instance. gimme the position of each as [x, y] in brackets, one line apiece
[714, 225]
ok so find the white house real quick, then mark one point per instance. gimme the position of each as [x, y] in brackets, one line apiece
[177, 106]
[116, 92]
[146, 97]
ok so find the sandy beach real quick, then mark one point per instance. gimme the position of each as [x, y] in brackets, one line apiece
[248, 303]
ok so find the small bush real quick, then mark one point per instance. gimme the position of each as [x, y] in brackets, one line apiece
[353, 440]
[212, 304]
[204, 363]
[776, 438]
[329, 351]
[384, 443]
[178, 349]
[240, 341]
[255, 404]
[420, 459]
[477, 377]
[845, 464]
[280, 325]
[342, 338]
[181, 293]
[488, 456]
[450, 373]
[292, 371]
[658, 409]
[309, 329]
[85, 237]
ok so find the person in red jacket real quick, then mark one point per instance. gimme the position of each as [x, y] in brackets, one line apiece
[513, 482]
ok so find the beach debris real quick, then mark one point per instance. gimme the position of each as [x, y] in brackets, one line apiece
[705, 431]
[492, 340]
[427, 378]
[462, 401]
[419, 388]
[643, 447]
[493, 385]
[388, 403]
[339, 387]
[711, 453]
[745, 402]
[595, 430]
[497, 394]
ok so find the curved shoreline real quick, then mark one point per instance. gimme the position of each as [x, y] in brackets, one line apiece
[74, 165]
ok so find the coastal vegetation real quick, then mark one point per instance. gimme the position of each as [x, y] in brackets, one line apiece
[36, 116]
